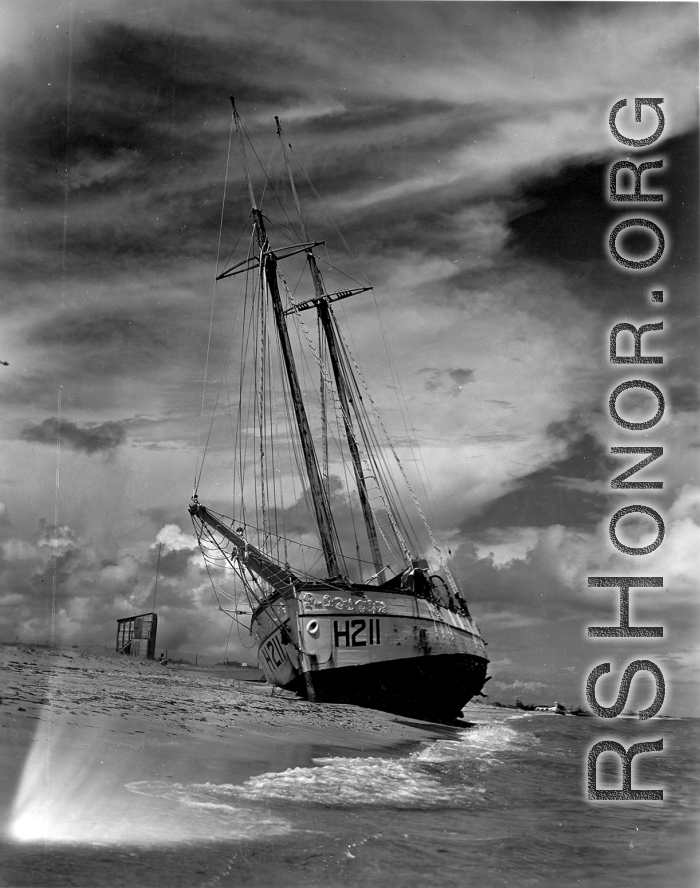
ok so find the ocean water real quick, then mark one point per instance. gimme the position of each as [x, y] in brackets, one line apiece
[502, 803]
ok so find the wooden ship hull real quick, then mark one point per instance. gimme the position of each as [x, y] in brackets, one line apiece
[382, 650]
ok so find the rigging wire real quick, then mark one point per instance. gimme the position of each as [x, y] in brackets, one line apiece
[248, 344]
[433, 540]
[324, 415]
[208, 544]
[411, 435]
[397, 381]
[235, 246]
[216, 401]
[382, 493]
[268, 182]
[261, 399]
[331, 219]
[275, 438]
[227, 641]
[213, 302]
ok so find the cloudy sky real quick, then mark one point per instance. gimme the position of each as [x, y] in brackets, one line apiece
[463, 149]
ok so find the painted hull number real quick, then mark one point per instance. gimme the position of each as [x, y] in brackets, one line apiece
[273, 652]
[356, 633]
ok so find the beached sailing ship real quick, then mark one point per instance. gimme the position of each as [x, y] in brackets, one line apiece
[385, 626]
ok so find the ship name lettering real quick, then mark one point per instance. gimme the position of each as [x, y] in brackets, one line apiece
[359, 605]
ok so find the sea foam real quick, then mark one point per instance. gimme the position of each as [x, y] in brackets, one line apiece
[444, 773]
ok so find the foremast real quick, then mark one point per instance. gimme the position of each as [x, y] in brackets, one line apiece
[268, 267]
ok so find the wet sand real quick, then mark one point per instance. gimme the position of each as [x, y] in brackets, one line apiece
[96, 723]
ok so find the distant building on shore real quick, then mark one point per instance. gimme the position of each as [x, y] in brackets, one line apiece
[558, 708]
[136, 636]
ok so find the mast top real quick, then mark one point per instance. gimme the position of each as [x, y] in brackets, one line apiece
[245, 163]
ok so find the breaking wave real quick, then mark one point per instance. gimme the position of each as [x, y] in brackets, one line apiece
[444, 773]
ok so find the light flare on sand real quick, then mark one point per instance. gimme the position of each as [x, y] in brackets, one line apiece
[74, 789]
[62, 795]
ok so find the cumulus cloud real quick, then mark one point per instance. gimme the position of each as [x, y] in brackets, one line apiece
[173, 538]
[95, 437]
[527, 583]
[59, 574]
[542, 571]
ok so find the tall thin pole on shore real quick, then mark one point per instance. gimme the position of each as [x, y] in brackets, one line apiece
[153, 608]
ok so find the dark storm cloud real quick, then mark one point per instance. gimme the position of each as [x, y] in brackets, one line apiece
[89, 437]
[103, 329]
[567, 215]
[564, 215]
[173, 563]
[102, 341]
[551, 495]
[124, 81]
[149, 108]
[566, 226]
[132, 167]
[527, 586]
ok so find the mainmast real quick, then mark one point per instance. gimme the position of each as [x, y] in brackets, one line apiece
[324, 313]
[268, 265]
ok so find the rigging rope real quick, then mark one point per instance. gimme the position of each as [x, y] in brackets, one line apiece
[324, 417]
[339, 409]
[261, 396]
[441, 557]
[275, 437]
[211, 316]
[331, 219]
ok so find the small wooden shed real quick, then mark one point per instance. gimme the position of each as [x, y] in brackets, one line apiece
[136, 636]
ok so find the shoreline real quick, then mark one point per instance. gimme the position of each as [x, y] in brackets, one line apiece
[76, 721]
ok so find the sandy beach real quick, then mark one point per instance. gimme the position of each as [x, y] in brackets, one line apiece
[116, 772]
[82, 727]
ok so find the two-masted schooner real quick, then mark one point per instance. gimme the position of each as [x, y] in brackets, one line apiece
[384, 627]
